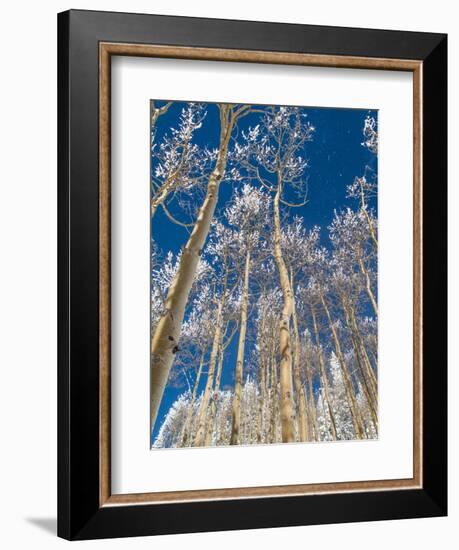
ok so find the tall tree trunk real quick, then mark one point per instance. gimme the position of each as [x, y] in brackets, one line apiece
[213, 403]
[200, 438]
[185, 438]
[261, 402]
[262, 399]
[274, 400]
[236, 419]
[366, 389]
[165, 340]
[303, 428]
[369, 370]
[357, 422]
[323, 374]
[287, 406]
[312, 406]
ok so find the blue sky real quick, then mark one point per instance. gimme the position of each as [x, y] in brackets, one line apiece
[335, 156]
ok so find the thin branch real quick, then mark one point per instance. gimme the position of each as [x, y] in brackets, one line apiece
[174, 220]
[292, 204]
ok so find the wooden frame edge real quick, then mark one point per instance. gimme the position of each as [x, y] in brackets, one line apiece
[272, 491]
[104, 276]
[417, 275]
[257, 56]
[106, 50]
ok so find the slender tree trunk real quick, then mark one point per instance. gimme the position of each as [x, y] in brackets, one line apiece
[370, 223]
[165, 340]
[365, 273]
[287, 405]
[261, 400]
[312, 406]
[203, 410]
[213, 403]
[274, 399]
[369, 370]
[303, 428]
[366, 389]
[371, 228]
[357, 422]
[236, 419]
[324, 377]
[185, 438]
[261, 404]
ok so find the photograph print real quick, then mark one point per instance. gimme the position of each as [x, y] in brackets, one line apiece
[264, 272]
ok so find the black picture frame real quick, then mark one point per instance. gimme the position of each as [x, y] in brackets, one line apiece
[80, 515]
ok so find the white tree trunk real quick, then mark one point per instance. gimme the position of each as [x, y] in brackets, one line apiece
[213, 403]
[303, 427]
[287, 406]
[236, 420]
[365, 273]
[350, 391]
[200, 438]
[185, 437]
[323, 375]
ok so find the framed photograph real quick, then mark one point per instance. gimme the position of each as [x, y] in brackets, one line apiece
[252, 275]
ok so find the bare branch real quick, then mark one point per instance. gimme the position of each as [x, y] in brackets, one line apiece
[174, 220]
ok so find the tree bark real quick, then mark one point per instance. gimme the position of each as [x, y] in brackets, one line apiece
[213, 404]
[366, 389]
[274, 400]
[312, 406]
[371, 375]
[303, 431]
[185, 437]
[365, 273]
[350, 391]
[324, 375]
[287, 406]
[236, 419]
[200, 438]
[165, 340]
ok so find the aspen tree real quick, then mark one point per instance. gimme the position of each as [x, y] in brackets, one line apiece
[273, 147]
[371, 398]
[350, 391]
[297, 246]
[323, 373]
[185, 438]
[214, 398]
[303, 426]
[247, 214]
[165, 339]
[236, 419]
[203, 409]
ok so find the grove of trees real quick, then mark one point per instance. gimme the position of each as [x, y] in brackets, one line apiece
[263, 325]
